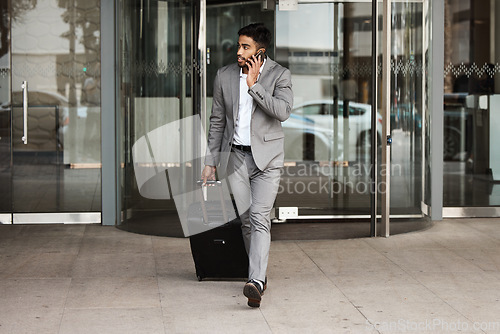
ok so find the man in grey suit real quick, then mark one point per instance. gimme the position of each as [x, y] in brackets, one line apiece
[250, 100]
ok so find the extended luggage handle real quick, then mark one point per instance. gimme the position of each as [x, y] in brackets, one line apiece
[203, 199]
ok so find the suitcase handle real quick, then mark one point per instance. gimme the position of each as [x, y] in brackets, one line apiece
[221, 197]
[209, 182]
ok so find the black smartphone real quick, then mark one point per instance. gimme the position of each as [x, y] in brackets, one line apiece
[259, 54]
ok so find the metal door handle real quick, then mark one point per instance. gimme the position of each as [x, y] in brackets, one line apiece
[24, 86]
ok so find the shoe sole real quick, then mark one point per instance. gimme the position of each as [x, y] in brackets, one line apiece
[252, 293]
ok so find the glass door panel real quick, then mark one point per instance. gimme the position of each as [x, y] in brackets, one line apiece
[160, 80]
[327, 47]
[55, 49]
[471, 109]
[408, 105]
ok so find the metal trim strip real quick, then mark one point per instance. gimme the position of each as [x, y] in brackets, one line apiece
[471, 212]
[57, 218]
[354, 216]
[5, 218]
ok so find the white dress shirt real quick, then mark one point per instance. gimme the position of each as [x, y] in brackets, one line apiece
[242, 124]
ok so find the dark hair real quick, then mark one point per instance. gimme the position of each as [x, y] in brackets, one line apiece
[258, 32]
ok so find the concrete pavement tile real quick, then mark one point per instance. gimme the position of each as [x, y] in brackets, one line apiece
[485, 258]
[374, 278]
[166, 245]
[424, 317]
[10, 262]
[112, 320]
[404, 242]
[40, 320]
[342, 260]
[27, 244]
[447, 226]
[467, 287]
[285, 264]
[495, 274]
[33, 293]
[371, 296]
[110, 232]
[177, 292]
[9, 231]
[314, 317]
[487, 226]
[175, 264]
[113, 292]
[306, 289]
[312, 245]
[53, 230]
[64, 245]
[116, 245]
[45, 265]
[114, 265]
[483, 315]
[430, 260]
[284, 246]
[214, 318]
[454, 234]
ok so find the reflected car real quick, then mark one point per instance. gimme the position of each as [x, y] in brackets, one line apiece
[310, 132]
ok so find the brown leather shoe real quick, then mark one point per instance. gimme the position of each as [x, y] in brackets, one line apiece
[253, 292]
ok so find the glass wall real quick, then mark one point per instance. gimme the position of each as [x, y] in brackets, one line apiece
[471, 105]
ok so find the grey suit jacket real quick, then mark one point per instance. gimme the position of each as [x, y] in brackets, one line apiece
[272, 104]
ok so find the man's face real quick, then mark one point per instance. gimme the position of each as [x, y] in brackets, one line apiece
[246, 49]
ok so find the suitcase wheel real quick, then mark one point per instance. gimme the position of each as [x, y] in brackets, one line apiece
[199, 278]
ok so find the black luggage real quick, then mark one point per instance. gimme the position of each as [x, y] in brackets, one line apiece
[219, 252]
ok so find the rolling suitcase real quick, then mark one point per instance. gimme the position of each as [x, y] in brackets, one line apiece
[218, 253]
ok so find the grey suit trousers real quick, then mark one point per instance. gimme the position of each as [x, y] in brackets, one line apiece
[254, 192]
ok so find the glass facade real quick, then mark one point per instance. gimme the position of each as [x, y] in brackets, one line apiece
[167, 54]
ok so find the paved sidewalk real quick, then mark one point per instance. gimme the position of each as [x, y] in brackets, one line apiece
[94, 279]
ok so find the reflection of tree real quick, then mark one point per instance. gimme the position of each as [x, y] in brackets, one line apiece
[82, 14]
[18, 9]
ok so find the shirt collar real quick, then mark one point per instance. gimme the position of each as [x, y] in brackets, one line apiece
[260, 69]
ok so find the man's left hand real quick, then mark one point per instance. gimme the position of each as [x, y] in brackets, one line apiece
[254, 65]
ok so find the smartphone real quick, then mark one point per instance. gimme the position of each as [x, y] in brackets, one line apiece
[259, 54]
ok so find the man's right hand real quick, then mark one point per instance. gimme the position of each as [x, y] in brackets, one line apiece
[208, 173]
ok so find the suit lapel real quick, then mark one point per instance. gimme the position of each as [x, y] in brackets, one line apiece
[235, 90]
